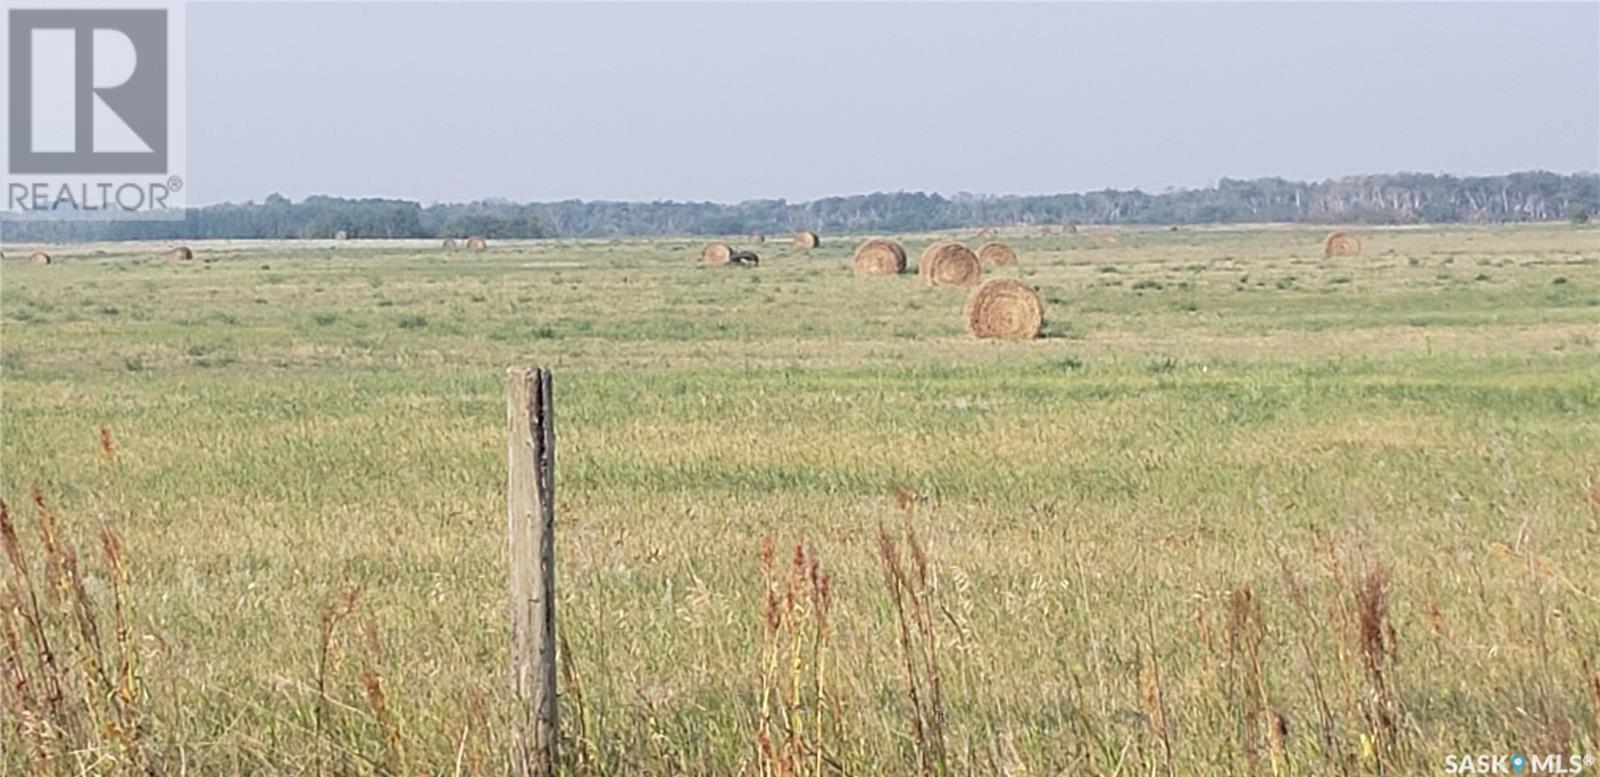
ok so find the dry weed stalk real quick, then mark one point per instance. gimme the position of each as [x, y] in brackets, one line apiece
[1587, 673]
[911, 595]
[1375, 640]
[795, 638]
[1307, 639]
[582, 741]
[1248, 687]
[1152, 694]
[331, 658]
[74, 706]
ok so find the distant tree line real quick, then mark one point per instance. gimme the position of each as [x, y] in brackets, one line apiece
[1403, 198]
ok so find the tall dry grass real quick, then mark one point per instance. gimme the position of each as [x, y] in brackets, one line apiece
[73, 683]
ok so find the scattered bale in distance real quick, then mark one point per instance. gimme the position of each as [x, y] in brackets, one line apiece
[807, 239]
[879, 256]
[449, 244]
[341, 235]
[39, 257]
[986, 233]
[1070, 229]
[1108, 238]
[996, 255]
[757, 239]
[949, 264]
[744, 258]
[180, 254]
[1004, 309]
[716, 252]
[1340, 244]
[477, 244]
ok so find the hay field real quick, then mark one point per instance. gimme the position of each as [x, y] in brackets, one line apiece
[1242, 509]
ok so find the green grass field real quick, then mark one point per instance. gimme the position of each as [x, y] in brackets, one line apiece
[1243, 509]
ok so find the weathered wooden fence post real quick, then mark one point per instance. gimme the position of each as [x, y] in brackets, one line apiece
[530, 492]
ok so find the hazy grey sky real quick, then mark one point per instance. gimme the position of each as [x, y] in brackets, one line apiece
[731, 102]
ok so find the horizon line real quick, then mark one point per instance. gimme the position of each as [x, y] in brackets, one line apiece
[949, 196]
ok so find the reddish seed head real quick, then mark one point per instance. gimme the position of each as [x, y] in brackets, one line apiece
[1372, 620]
[374, 688]
[905, 496]
[766, 552]
[774, 614]
[8, 537]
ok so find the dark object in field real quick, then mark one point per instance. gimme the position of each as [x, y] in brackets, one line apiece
[1004, 309]
[449, 244]
[949, 264]
[997, 254]
[716, 252]
[477, 244]
[744, 258]
[181, 254]
[1340, 244]
[807, 239]
[39, 257]
[879, 256]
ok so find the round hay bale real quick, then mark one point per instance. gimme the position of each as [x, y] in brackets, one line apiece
[341, 235]
[449, 244]
[987, 233]
[949, 264]
[1108, 238]
[879, 256]
[757, 239]
[1340, 244]
[1070, 229]
[807, 239]
[744, 259]
[181, 254]
[996, 255]
[1004, 309]
[39, 257]
[716, 252]
[477, 244]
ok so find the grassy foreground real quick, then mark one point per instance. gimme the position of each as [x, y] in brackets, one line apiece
[1243, 510]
